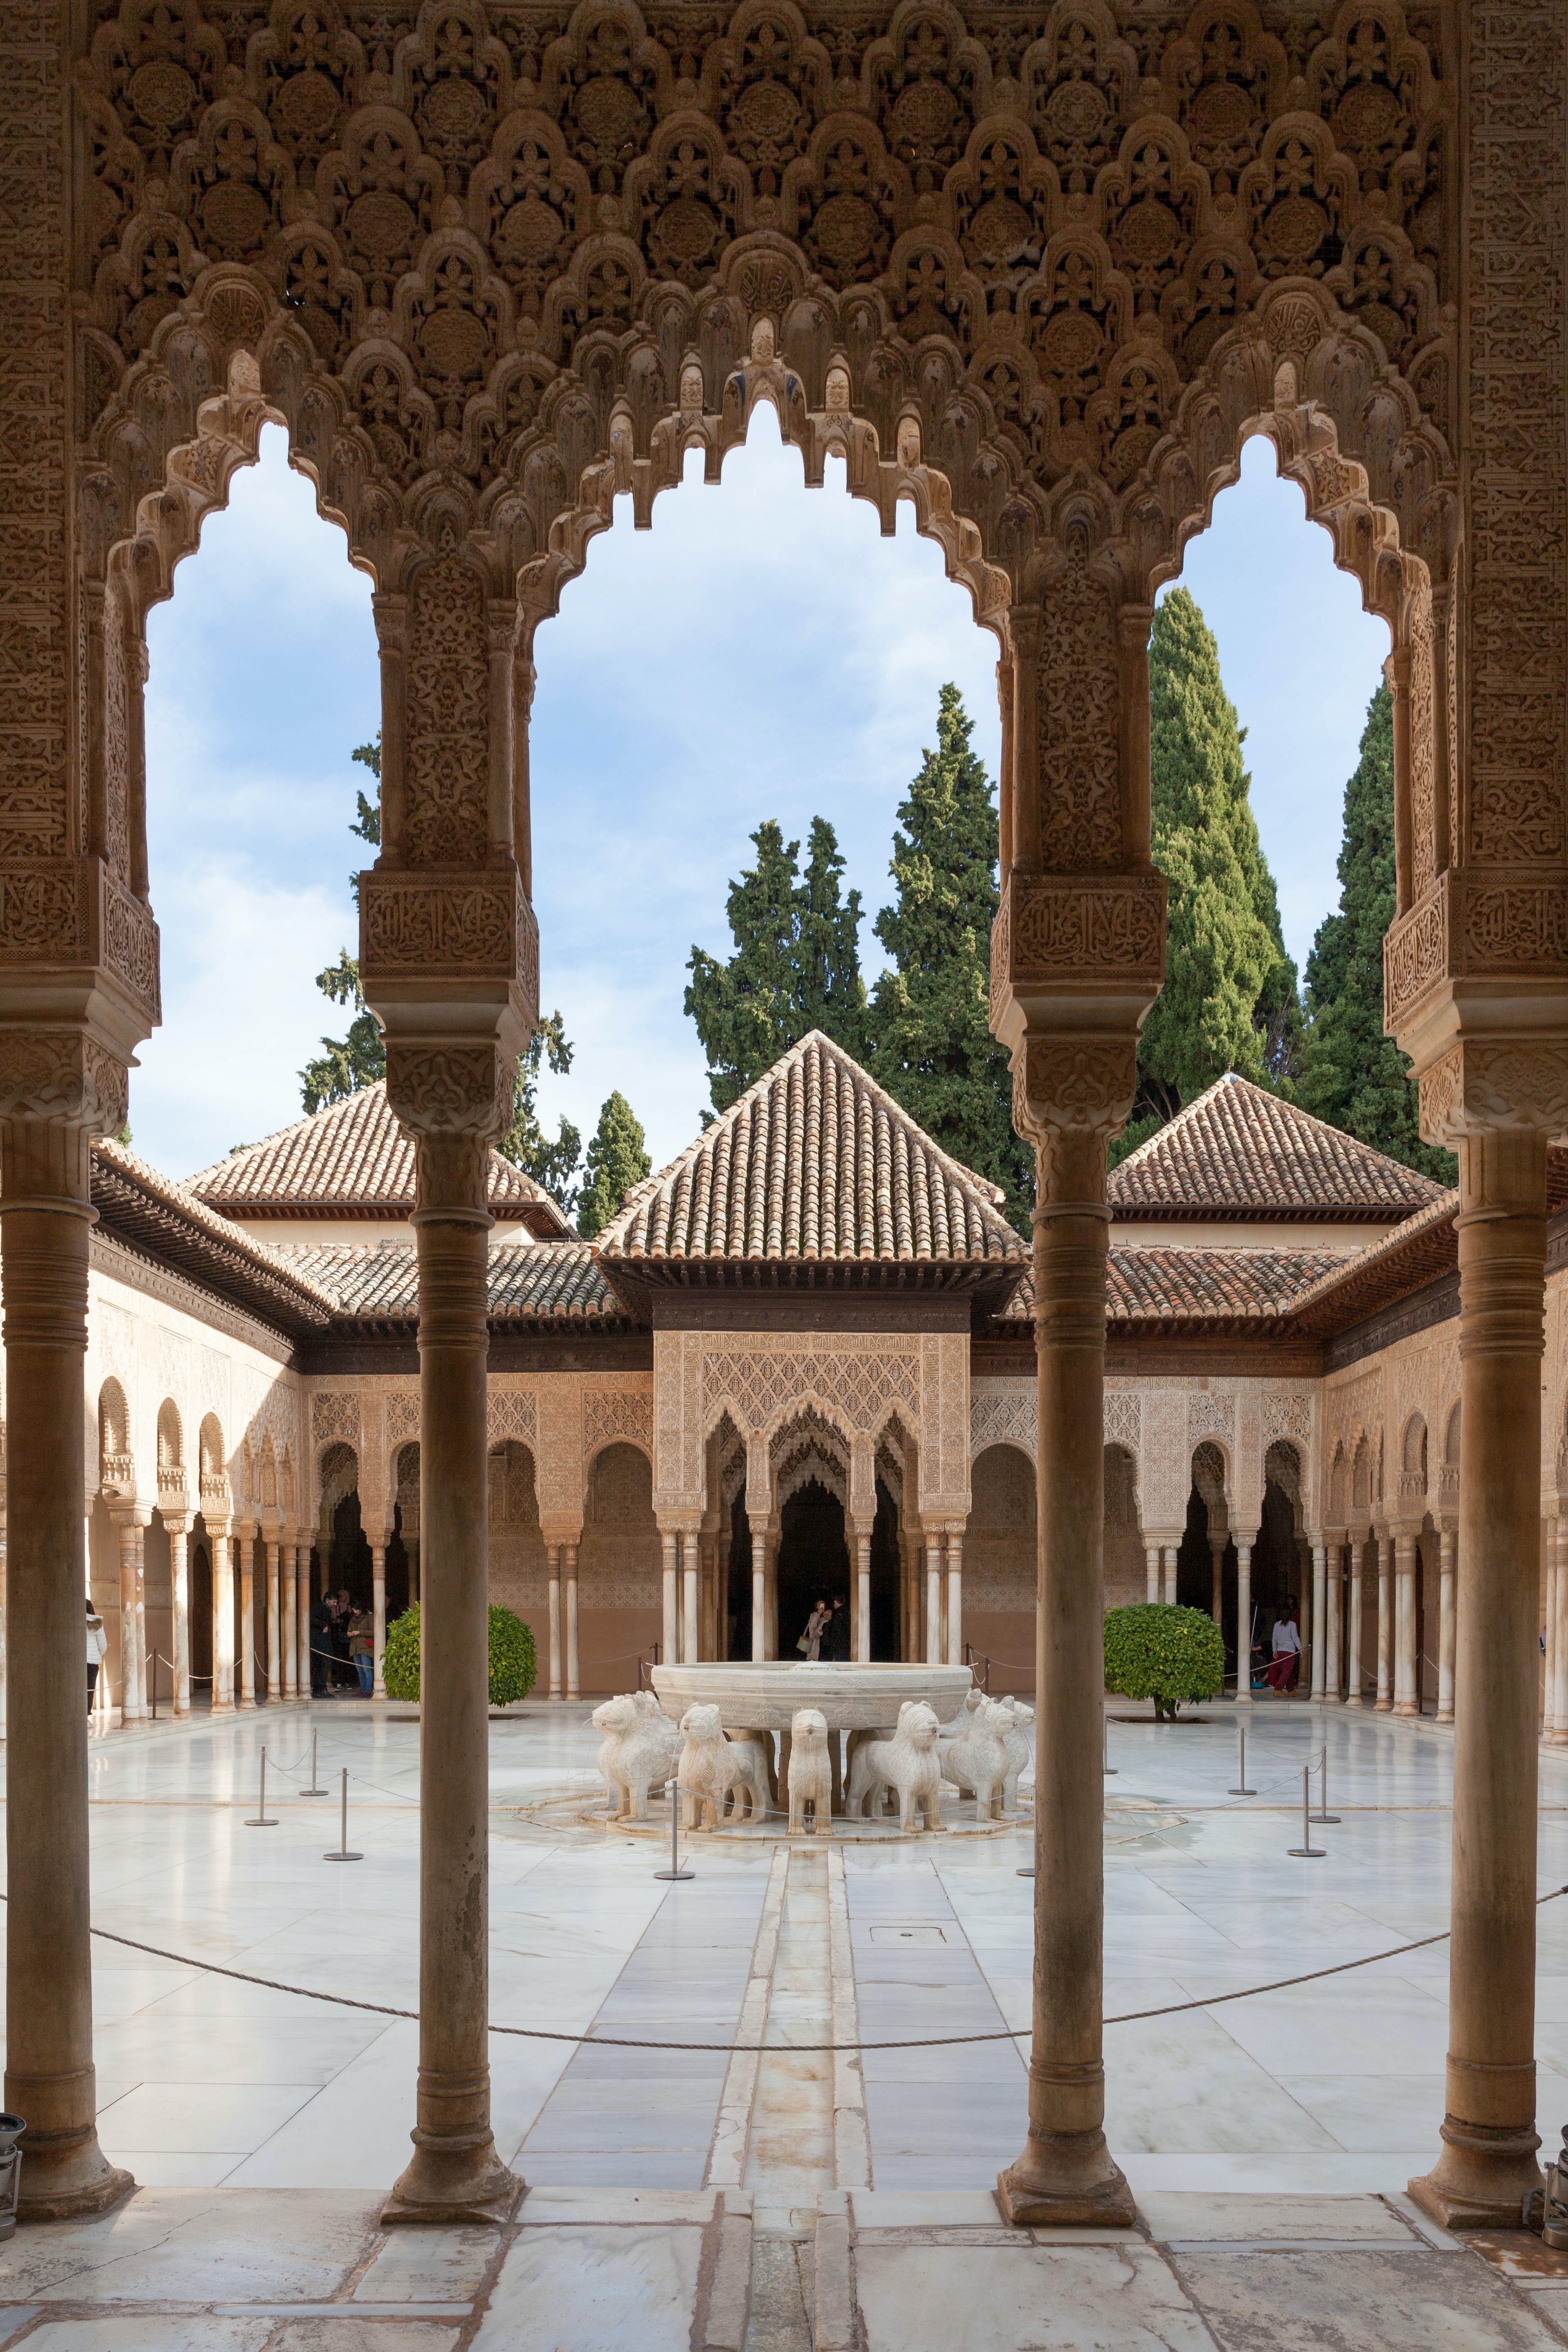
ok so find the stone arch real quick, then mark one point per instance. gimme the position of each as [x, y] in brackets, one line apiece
[210, 1445]
[1412, 1453]
[1210, 1476]
[1451, 1436]
[1339, 1487]
[1361, 1495]
[1282, 1467]
[171, 1438]
[113, 1434]
[337, 1476]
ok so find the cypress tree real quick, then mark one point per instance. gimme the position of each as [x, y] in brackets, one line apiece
[795, 965]
[1229, 1002]
[617, 1159]
[934, 1049]
[1351, 1075]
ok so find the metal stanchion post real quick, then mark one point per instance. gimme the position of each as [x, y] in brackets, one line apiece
[261, 1821]
[1307, 1851]
[675, 1871]
[315, 1790]
[1242, 1790]
[343, 1854]
[1324, 1814]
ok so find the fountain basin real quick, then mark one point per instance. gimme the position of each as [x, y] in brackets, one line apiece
[763, 1696]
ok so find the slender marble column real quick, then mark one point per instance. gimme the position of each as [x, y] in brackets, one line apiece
[1406, 1686]
[455, 2174]
[378, 1617]
[1243, 1622]
[1384, 1624]
[1320, 1620]
[862, 1597]
[223, 1619]
[1488, 2161]
[669, 1647]
[955, 1599]
[179, 1530]
[1171, 1554]
[570, 1564]
[290, 1648]
[1217, 1590]
[553, 1564]
[1066, 2173]
[274, 1624]
[1448, 1545]
[1353, 1627]
[933, 1600]
[245, 1695]
[690, 1644]
[1560, 1668]
[302, 1614]
[128, 1529]
[759, 1596]
[1333, 1594]
[1152, 1564]
[45, 1219]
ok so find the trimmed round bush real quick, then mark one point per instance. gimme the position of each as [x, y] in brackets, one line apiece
[514, 1666]
[1159, 1651]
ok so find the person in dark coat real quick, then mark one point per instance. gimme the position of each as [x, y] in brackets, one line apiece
[323, 1617]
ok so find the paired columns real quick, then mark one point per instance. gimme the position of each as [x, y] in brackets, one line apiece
[1243, 1544]
[1384, 1623]
[1406, 1624]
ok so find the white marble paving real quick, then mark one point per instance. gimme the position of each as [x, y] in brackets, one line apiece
[204, 2081]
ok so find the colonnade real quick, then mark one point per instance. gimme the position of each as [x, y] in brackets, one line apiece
[280, 1597]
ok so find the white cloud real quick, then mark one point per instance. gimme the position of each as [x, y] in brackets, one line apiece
[762, 652]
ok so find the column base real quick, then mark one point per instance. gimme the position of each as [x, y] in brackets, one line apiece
[1471, 2200]
[70, 2184]
[1404, 1707]
[1067, 2181]
[452, 2188]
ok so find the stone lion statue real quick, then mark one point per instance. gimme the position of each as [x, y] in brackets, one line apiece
[639, 1748]
[908, 1763]
[977, 1760]
[810, 1773]
[712, 1765]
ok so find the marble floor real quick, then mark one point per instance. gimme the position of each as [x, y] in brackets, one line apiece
[214, 2094]
[1332, 2087]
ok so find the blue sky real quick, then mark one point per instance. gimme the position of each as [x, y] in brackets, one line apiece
[761, 651]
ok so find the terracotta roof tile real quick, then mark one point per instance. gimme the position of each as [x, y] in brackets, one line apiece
[379, 1281]
[352, 1159]
[813, 1162]
[154, 1213]
[1238, 1151]
[1173, 1285]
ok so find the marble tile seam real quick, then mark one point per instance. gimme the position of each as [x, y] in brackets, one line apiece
[732, 2128]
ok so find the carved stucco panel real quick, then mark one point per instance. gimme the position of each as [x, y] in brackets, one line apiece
[1005, 1413]
[1167, 1463]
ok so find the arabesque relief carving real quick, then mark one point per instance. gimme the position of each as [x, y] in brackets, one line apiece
[1037, 271]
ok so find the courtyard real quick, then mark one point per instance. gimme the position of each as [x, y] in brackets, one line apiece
[1268, 2141]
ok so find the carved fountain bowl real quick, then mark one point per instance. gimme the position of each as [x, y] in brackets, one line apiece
[763, 1697]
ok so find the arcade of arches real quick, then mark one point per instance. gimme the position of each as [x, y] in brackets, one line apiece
[1039, 270]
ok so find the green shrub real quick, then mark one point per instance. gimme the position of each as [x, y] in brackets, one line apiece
[1157, 1649]
[513, 1663]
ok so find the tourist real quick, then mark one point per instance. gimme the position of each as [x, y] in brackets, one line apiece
[810, 1641]
[1286, 1660]
[342, 1610]
[321, 1615]
[361, 1650]
[835, 1639]
[97, 1643]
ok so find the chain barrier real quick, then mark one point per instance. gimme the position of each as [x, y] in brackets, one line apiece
[756, 2049]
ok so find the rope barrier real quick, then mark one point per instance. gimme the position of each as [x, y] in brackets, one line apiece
[757, 2049]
